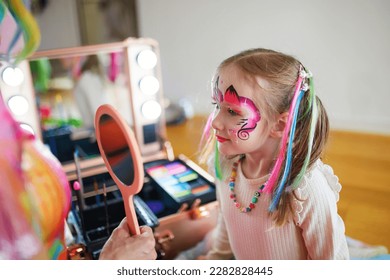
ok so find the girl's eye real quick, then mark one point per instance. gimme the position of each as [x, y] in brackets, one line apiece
[232, 112]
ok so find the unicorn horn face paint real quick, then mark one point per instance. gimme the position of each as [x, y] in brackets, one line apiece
[239, 114]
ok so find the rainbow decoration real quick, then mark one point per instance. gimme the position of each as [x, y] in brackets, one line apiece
[26, 26]
[35, 195]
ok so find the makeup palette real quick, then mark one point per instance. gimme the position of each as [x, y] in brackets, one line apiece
[179, 183]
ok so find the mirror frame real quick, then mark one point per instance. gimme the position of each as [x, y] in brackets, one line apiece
[128, 191]
[130, 48]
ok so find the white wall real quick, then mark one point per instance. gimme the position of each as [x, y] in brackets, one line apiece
[345, 43]
[59, 25]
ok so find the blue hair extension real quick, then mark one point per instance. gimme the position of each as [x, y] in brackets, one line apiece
[14, 40]
[287, 167]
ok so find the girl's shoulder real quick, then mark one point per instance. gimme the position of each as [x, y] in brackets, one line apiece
[319, 182]
[320, 178]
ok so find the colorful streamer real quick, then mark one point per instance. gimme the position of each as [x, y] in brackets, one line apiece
[27, 26]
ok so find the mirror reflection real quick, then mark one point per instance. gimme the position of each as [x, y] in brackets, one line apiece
[116, 149]
[69, 89]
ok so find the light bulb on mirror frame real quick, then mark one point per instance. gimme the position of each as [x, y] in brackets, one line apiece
[147, 59]
[151, 110]
[149, 85]
[18, 105]
[12, 76]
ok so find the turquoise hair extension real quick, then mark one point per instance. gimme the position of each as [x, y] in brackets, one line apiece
[287, 167]
[2, 11]
[313, 124]
[217, 164]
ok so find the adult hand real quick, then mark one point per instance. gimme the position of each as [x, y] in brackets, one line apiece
[122, 246]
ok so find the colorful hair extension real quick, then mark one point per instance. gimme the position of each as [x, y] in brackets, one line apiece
[217, 163]
[28, 25]
[2, 11]
[14, 40]
[276, 169]
[314, 117]
[287, 167]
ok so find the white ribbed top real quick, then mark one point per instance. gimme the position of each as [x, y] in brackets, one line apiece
[316, 232]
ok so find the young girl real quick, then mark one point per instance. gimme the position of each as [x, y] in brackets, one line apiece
[277, 199]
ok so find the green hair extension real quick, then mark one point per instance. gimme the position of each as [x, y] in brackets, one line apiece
[217, 164]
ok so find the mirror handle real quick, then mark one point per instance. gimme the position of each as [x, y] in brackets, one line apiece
[131, 215]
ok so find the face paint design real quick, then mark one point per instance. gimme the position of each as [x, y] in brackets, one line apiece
[252, 116]
[247, 124]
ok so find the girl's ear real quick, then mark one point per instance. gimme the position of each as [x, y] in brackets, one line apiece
[278, 128]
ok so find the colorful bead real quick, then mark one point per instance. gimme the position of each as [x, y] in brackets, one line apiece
[232, 181]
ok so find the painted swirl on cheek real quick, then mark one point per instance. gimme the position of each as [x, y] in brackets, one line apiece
[247, 124]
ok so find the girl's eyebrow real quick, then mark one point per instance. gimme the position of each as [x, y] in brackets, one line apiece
[232, 106]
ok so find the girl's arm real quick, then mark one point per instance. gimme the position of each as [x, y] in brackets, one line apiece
[323, 229]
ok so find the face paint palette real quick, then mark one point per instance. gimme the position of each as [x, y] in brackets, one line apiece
[179, 183]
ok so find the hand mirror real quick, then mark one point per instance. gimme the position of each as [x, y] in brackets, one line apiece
[122, 157]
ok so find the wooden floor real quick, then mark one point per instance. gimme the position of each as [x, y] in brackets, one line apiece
[362, 163]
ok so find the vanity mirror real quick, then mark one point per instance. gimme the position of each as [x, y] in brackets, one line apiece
[71, 83]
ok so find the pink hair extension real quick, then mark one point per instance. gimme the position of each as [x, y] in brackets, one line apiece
[276, 169]
[207, 129]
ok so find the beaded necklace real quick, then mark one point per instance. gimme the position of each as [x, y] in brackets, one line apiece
[232, 181]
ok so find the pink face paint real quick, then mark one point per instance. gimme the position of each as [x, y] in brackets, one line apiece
[247, 124]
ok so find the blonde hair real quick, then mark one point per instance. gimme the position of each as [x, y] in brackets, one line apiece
[281, 71]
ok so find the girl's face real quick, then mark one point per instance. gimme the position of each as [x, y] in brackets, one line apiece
[238, 121]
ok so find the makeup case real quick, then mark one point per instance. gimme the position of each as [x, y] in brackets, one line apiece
[97, 208]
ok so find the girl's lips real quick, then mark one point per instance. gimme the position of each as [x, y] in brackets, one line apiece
[221, 139]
